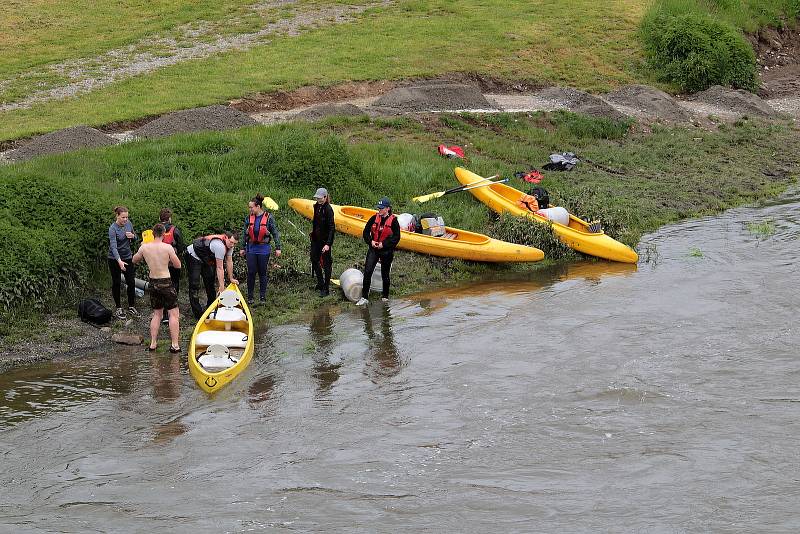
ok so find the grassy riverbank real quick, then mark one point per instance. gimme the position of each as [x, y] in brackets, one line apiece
[54, 238]
[543, 42]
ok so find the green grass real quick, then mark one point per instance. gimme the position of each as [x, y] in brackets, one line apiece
[542, 42]
[762, 228]
[208, 178]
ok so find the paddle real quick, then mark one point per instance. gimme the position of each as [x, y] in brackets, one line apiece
[431, 196]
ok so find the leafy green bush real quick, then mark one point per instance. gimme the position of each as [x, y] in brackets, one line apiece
[695, 51]
[57, 233]
[525, 231]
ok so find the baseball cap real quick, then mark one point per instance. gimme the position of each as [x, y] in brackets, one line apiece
[321, 193]
[384, 203]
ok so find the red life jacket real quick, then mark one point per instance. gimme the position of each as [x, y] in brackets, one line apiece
[262, 230]
[381, 232]
[169, 235]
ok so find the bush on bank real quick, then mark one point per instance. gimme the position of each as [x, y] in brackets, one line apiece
[695, 44]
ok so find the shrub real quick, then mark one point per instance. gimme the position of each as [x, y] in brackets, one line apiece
[695, 51]
[57, 234]
[525, 231]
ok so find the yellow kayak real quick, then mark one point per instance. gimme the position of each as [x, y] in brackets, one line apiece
[502, 198]
[457, 243]
[222, 342]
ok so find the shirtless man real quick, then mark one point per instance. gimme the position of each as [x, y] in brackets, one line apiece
[159, 256]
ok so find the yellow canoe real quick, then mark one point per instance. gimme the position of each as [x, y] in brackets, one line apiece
[503, 198]
[224, 331]
[464, 245]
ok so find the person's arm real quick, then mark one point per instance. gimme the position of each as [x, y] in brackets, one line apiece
[173, 258]
[112, 242]
[367, 234]
[392, 241]
[220, 274]
[229, 265]
[137, 257]
[272, 228]
[332, 225]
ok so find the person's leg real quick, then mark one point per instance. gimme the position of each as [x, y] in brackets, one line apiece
[263, 276]
[194, 269]
[252, 268]
[327, 265]
[316, 268]
[130, 281]
[155, 324]
[113, 266]
[209, 281]
[386, 264]
[174, 326]
[369, 268]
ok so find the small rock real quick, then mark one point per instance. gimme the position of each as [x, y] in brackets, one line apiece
[105, 329]
[127, 339]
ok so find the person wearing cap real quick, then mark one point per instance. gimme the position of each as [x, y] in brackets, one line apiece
[322, 231]
[382, 234]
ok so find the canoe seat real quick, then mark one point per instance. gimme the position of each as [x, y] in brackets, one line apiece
[226, 338]
[217, 357]
[230, 315]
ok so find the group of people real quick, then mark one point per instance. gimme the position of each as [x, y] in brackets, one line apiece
[208, 257]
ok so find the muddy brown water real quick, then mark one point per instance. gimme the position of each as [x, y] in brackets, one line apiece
[594, 397]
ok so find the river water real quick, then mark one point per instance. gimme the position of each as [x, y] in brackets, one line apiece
[593, 397]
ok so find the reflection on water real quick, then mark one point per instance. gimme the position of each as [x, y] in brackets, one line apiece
[326, 372]
[382, 358]
[571, 400]
[58, 386]
[261, 390]
[165, 373]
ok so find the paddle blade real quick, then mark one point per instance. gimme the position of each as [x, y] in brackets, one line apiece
[270, 204]
[425, 198]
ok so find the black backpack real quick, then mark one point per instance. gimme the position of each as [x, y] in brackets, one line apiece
[92, 311]
[542, 196]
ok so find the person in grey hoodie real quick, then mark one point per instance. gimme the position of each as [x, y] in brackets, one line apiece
[120, 261]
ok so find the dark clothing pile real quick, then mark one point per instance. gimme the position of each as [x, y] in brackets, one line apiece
[565, 161]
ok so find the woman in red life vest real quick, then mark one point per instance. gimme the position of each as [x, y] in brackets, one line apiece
[382, 234]
[259, 231]
[322, 231]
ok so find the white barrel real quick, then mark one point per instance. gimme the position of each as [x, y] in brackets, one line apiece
[351, 281]
[557, 214]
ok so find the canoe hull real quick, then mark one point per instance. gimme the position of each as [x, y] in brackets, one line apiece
[211, 382]
[466, 246]
[502, 198]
